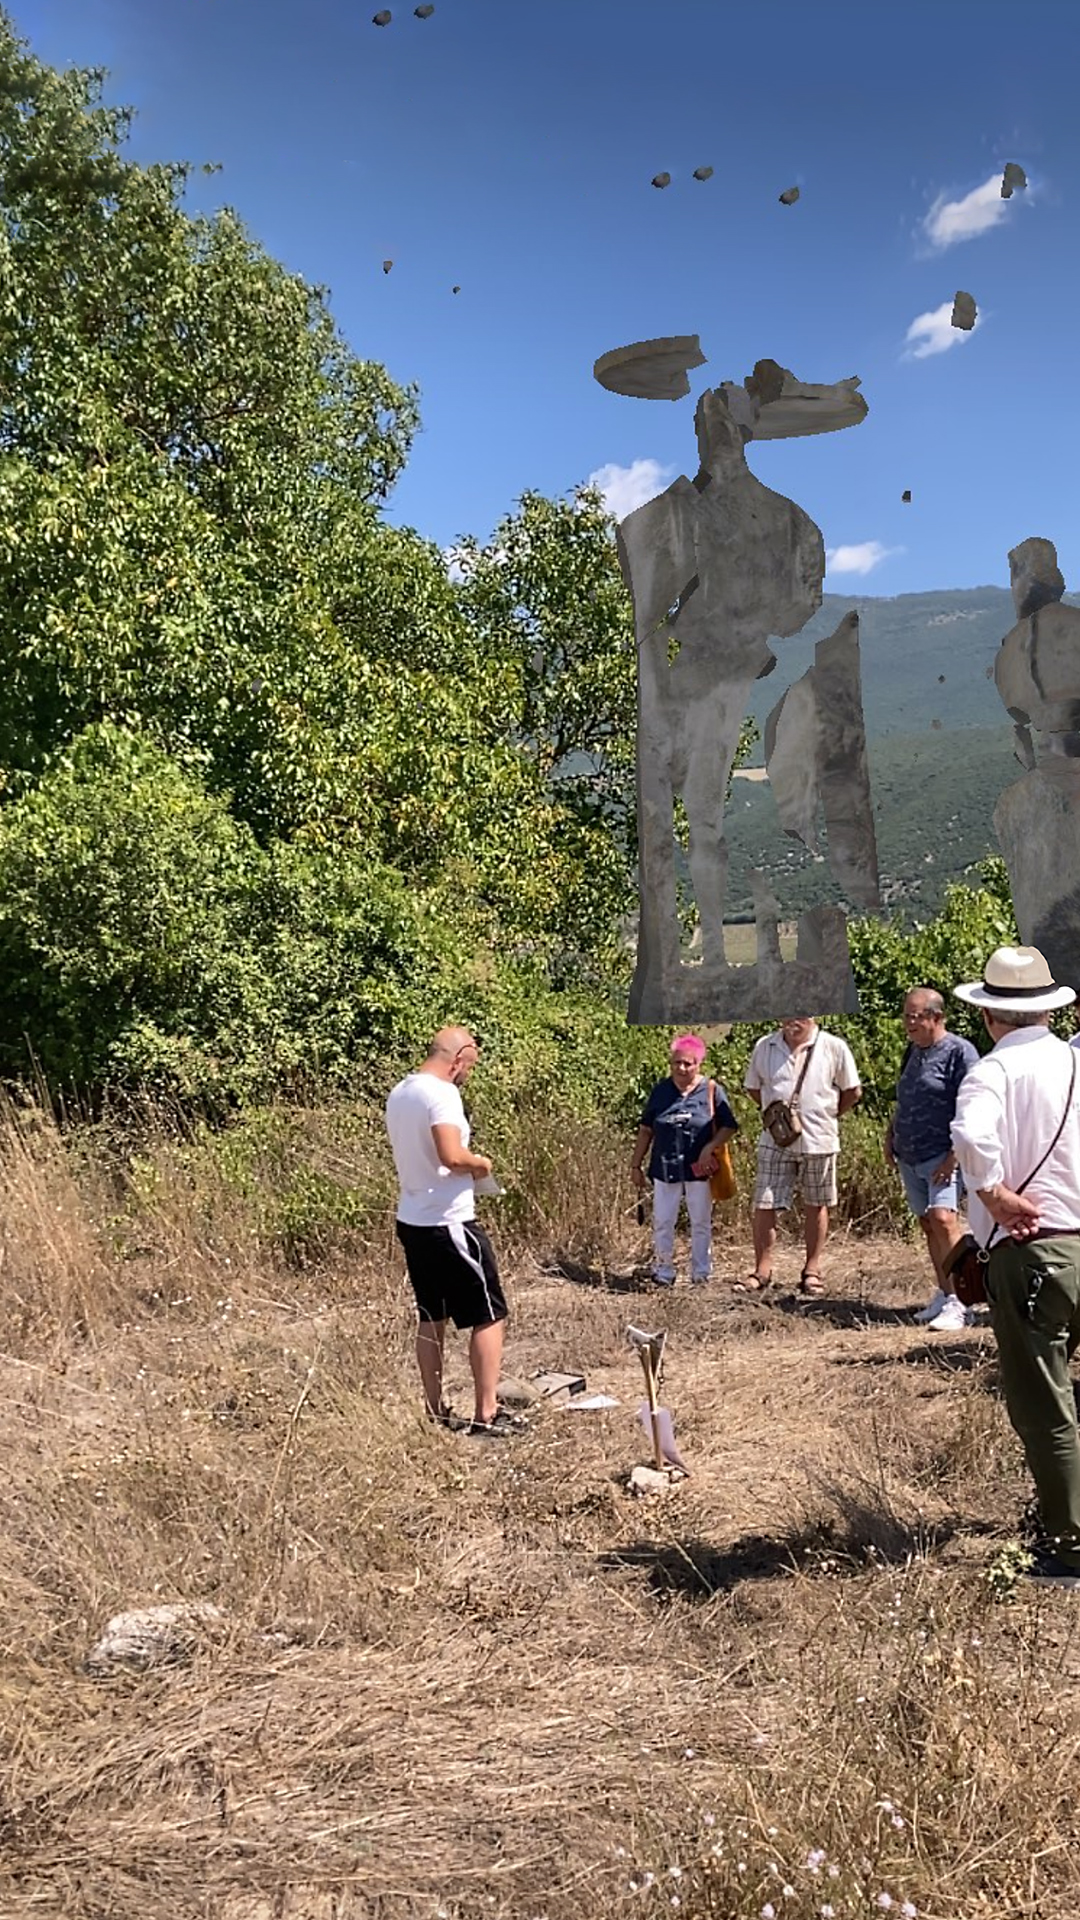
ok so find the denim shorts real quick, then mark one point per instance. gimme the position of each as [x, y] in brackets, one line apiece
[921, 1193]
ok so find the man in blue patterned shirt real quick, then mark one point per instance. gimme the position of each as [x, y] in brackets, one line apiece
[918, 1142]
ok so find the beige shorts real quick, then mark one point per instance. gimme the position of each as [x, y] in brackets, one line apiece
[779, 1172]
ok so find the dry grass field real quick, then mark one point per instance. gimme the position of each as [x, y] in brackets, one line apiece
[475, 1679]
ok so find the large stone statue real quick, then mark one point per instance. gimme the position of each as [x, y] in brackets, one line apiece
[1037, 821]
[715, 565]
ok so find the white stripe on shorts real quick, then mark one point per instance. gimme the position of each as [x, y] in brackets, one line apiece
[459, 1234]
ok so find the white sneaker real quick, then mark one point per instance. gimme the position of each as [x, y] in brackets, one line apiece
[933, 1308]
[953, 1318]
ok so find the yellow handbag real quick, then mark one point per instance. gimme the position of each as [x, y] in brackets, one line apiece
[722, 1185]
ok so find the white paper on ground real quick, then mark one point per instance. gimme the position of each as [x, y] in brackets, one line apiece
[667, 1434]
[487, 1183]
[589, 1402]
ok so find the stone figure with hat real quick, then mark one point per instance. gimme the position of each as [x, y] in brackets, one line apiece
[1016, 1136]
[715, 566]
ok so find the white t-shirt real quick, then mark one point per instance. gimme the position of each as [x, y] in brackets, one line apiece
[431, 1196]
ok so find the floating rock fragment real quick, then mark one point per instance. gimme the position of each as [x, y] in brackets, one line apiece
[651, 369]
[964, 311]
[906, 496]
[703, 173]
[789, 196]
[1013, 176]
[661, 179]
[455, 289]
[386, 265]
[423, 13]
[382, 19]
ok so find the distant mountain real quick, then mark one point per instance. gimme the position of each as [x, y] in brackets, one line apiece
[934, 795]
[906, 644]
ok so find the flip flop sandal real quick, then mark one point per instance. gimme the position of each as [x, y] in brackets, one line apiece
[753, 1283]
[811, 1285]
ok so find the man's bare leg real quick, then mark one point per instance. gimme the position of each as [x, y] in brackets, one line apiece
[816, 1227]
[430, 1337]
[764, 1239]
[485, 1359]
[943, 1230]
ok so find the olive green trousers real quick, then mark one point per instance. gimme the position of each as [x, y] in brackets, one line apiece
[1033, 1288]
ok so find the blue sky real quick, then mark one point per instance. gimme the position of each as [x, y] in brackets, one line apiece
[508, 146]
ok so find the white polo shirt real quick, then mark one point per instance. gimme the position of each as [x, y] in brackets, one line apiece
[431, 1196]
[1007, 1113]
[774, 1069]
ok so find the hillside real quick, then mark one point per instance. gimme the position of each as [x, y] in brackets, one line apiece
[934, 797]
[907, 643]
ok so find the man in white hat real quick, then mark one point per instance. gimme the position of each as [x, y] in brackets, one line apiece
[1017, 1126]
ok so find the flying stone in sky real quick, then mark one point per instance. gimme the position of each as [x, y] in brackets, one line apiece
[651, 369]
[661, 179]
[963, 313]
[703, 173]
[1013, 176]
[789, 196]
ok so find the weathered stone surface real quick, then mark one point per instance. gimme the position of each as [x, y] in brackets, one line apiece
[815, 752]
[740, 563]
[424, 13]
[1037, 823]
[381, 19]
[1037, 671]
[789, 408]
[1035, 579]
[789, 196]
[651, 369]
[661, 179]
[1012, 178]
[759, 562]
[703, 173]
[964, 312]
[153, 1636]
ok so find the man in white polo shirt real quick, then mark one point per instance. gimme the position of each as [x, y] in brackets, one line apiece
[450, 1260]
[803, 1066]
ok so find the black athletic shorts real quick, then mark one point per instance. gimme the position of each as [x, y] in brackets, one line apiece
[453, 1272]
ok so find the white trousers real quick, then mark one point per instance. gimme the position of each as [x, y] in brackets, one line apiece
[666, 1197]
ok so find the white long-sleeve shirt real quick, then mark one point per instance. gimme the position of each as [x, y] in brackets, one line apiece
[1007, 1112]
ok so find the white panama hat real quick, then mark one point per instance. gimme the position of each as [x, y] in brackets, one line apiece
[1017, 980]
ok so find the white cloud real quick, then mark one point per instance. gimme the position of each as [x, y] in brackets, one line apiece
[950, 221]
[625, 488]
[454, 570]
[859, 559]
[934, 332]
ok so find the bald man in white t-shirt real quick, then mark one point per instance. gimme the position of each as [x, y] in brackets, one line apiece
[450, 1260]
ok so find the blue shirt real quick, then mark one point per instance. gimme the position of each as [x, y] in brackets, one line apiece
[681, 1128]
[926, 1098]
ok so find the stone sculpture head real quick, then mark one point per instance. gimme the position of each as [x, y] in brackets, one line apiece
[1035, 577]
[785, 567]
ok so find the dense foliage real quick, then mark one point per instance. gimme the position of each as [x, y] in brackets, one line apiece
[278, 793]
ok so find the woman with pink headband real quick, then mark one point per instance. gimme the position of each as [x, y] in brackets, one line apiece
[684, 1113]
